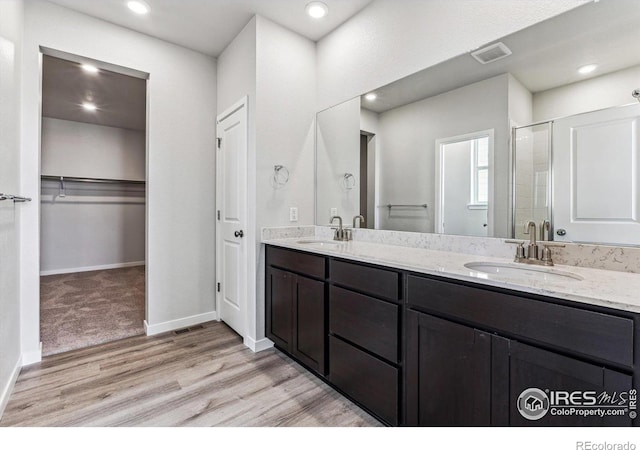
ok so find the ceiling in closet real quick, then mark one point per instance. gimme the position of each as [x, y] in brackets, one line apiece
[208, 26]
[120, 100]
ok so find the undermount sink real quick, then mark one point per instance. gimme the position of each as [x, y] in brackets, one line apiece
[522, 271]
[318, 243]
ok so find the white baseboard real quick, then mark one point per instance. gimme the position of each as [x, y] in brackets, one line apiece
[171, 325]
[259, 345]
[8, 388]
[32, 357]
[44, 273]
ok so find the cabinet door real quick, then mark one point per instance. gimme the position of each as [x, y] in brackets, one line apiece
[531, 367]
[448, 380]
[309, 323]
[279, 307]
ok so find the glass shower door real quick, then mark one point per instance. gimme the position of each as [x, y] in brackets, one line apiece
[532, 179]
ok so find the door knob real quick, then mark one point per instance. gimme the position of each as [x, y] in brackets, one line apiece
[561, 232]
[238, 234]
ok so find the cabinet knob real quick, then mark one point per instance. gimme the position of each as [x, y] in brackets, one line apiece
[239, 233]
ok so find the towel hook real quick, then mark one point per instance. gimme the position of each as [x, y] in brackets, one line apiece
[280, 175]
[349, 181]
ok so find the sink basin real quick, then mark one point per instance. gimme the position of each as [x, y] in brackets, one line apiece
[319, 243]
[514, 271]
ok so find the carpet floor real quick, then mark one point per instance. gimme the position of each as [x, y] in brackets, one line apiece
[88, 308]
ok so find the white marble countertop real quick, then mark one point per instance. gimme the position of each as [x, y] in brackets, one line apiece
[606, 288]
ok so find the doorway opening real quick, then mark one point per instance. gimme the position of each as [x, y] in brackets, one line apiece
[93, 203]
[464, 184]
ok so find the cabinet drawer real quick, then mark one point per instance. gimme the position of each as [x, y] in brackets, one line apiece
[365, 321]
[371, 280]
[602, 336]
[303, 263]
[366, 379]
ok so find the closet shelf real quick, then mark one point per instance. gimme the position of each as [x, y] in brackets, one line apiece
[90, 180]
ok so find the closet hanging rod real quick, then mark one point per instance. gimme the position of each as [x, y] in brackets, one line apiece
[90, 180]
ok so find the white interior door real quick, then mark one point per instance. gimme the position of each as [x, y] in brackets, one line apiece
[231, 249]
[596, 161]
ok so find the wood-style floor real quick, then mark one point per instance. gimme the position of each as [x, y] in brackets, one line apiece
[205, 377]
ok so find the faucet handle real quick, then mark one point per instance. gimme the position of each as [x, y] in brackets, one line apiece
[520, 252]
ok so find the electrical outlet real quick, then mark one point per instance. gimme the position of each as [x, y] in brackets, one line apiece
[293, 214]
[334, 212]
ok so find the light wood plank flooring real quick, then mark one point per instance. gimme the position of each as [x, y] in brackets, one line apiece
[205, 377]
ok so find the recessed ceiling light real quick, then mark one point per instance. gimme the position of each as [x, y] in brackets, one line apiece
[138, 6]
[317, 10]
[587, 69]
[89, 106]
[89, 68]
[371, 96]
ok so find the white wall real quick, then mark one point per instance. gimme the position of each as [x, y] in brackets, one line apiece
[276, 69]
[338, 153]
[285, 131]
[387, 40]
[520, 103]
[237, 79]
[87, 150]
[406, 150]
[181, 166]
[601, 92]
[11, 16]
[93, 227]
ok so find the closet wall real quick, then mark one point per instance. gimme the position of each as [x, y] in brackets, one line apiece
[90, 226]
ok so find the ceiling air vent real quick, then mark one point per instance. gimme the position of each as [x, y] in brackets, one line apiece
[491, 53]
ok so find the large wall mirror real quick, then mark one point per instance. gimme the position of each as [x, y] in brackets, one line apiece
[539, 125]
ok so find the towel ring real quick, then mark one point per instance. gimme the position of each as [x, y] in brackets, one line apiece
[349, 181]
[280, 176]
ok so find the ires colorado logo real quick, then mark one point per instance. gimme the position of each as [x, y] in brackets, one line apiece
[534, 403]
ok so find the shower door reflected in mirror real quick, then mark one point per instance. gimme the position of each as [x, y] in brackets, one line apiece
[532, 178]
[464, 192]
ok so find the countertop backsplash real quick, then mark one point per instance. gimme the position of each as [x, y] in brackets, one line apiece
[620, 259]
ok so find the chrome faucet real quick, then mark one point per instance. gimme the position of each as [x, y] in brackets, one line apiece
[340, 234]
[532, 249]
[359, 216]
[545, 225]
[530, 255]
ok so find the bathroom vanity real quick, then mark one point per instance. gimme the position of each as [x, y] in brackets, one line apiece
[417, 339]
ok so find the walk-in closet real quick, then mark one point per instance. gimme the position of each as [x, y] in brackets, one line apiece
[93, 204]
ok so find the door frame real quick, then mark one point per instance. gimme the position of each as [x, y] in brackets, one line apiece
[439, 176]
[243, 103]
[27, 320]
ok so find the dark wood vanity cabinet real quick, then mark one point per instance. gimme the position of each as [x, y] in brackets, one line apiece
[460, 374]
[448, 379]
[364, 336]
[423, 350]
[295, 307]
[342, 320]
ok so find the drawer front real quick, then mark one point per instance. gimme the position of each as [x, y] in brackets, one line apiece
[365, 321]
[371, 280]
[366, 379]
[304, 263]
[590, 333]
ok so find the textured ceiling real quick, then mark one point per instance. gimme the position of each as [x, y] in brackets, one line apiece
[208, 26]
[545, 55]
